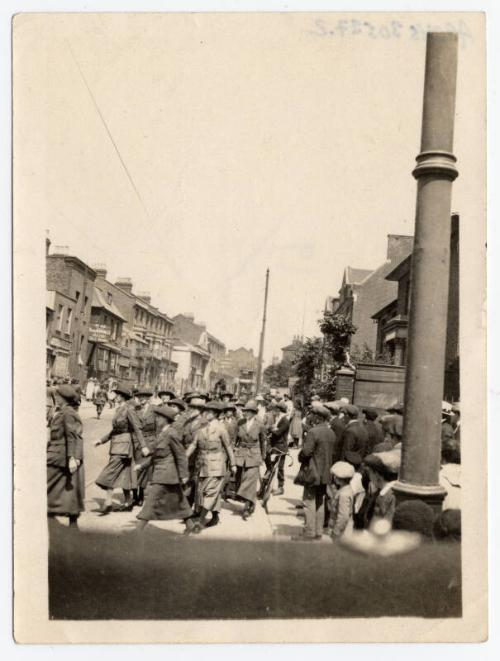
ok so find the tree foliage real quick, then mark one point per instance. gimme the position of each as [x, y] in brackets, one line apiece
[276, 376]
[320, 357]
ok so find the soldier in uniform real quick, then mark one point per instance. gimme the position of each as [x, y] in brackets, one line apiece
[188, 424]
[249, 451]
[211, 441]
[165, 498]
[231, 424]
[148, 420]
[118, 474]
[65, 477]
[166, 396]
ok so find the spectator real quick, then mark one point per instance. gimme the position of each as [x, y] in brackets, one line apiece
[414, 516]
[342, 505]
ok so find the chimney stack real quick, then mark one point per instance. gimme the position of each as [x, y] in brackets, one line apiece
[145, 296]
[47, 244]
[125, 284]
[100, 270]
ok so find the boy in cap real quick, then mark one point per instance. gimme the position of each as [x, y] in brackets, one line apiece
[342, 504]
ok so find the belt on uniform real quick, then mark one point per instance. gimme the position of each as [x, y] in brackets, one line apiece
[247, 445]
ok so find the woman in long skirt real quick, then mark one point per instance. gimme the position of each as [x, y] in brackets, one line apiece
[249, 450]
[164, 498]
[118, 473]
[147, 418]
[65, 477]
[214, 453]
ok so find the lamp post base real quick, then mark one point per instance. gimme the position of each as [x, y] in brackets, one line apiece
[433, 495]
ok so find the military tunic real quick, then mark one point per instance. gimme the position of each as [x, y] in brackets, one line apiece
[65, 490]
[214, 451]
[126, 430]
[164, 497]
[147, 419]
[250, 448]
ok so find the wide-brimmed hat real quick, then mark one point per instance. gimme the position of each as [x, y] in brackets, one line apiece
[144, 392]
[68, 393]
[215, 406]
[190, 395]
[396, 408]
[166, 412]
[166, 392]
[282, 407]
[239, 403]
[251, 405]
[123, 391]
[334, 405]
[178, 402]
[351, 410]
[370, 413]
[196, 403]
[226, 394]
[322, 411]
[229, 406]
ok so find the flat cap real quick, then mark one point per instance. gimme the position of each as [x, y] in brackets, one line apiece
[166, 412]
[342, 470]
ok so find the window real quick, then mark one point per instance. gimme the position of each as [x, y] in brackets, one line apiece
[110, 297]
[77, 296]
[60, 313]
[68, 320]
[84, 307]
[81, 342]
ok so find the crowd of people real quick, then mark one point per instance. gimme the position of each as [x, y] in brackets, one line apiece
[178, 458]
[350, 461]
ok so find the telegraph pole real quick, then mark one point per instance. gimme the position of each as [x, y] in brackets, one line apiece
[262, 335]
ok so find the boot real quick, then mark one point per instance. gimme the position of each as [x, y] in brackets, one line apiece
[213, 521]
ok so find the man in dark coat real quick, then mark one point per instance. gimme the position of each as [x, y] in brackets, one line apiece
[354, 439]
[373, 428]
[279, 441]
[318, 452]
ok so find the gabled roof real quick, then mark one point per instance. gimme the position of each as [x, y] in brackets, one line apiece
[354, 276]
[99, 301]
[400, 269]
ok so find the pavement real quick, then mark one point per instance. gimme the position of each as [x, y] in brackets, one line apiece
[279, 523]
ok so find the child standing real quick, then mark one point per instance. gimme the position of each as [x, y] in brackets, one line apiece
[342, 505]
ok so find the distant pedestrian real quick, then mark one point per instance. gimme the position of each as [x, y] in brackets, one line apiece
[100, 400]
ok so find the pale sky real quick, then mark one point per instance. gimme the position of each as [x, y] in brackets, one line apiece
[252, 141]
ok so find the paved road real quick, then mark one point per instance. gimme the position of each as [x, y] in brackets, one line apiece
[279, 524]
[231, 526]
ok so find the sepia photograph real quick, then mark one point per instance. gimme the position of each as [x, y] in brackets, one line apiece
[261, 243]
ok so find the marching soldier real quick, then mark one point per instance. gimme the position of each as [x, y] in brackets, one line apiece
[118, 474]
[165, 498]
[188, 426]
[148, 420]
[214, 454]
[65, 477]
[249, 451]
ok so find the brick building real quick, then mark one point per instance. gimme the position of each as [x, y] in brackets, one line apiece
[245, 363]
[145, 335]
[289, 353]
[202, 356]
[69, 284]
[392, 319]
[364, 293]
